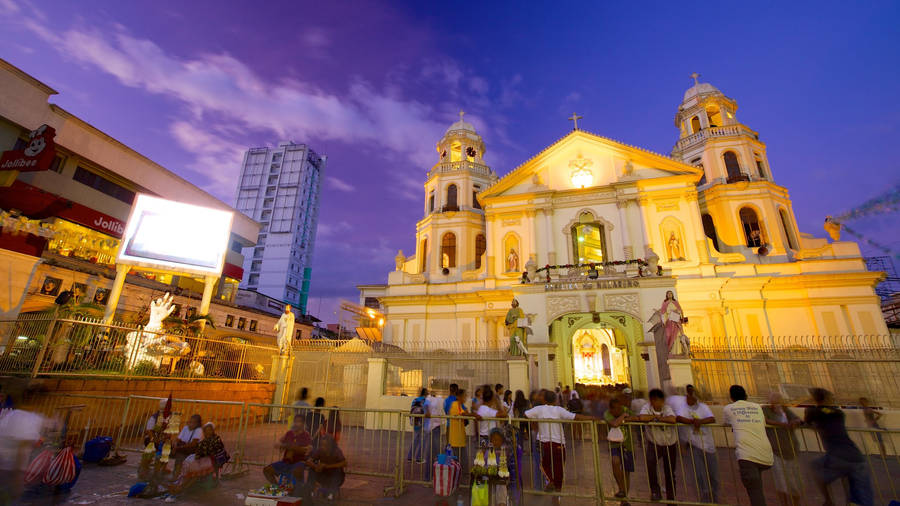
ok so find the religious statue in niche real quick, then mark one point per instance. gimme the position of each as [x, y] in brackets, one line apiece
[512, 261]
[673, 318]
[674, 248]
[517, 324]
[153, 343]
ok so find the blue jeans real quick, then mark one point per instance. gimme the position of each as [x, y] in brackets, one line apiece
[416, 446]
[829, 468]
[706, 474]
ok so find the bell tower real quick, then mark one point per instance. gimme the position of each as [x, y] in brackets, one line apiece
[743, 210]
[450, 238]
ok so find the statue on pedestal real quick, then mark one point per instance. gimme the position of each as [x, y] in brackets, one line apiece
[399, 260]
[284, 330]
[516, 324]
[673, 318]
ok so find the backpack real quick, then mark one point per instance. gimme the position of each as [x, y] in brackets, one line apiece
[418, 408]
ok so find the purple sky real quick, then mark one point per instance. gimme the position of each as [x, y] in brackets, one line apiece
[373, 86]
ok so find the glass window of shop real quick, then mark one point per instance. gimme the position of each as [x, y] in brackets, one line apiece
[76, 241]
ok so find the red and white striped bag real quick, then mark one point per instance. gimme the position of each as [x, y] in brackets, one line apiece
[446, 477]
[38, 467]
[62, 468]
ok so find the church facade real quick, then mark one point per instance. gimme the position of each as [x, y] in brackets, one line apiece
[588, 236]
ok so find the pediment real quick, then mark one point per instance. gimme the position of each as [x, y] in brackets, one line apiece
[608, 163]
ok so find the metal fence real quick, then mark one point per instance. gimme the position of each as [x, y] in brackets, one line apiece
[386, 444]
[851, 366]
[39, 345]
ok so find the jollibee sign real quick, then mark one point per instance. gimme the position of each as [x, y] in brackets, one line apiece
[36, 156]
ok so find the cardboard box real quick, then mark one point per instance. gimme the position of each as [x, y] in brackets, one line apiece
[268, 500]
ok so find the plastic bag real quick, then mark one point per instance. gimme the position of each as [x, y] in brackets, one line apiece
[615, 435]
[480, 494]
[38, 467]
[62, 468]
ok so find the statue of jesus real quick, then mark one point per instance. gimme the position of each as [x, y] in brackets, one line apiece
[285, 330]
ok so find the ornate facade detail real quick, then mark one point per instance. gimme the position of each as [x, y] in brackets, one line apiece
[626, 302]
[560, 305]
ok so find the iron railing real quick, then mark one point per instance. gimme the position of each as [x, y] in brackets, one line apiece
[377, 442]
[851, 366]
[38, 345]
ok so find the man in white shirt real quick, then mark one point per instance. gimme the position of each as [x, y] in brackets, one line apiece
[751, 445]
[662, 443]
[552, 439]
[434, 409]
[699, 440]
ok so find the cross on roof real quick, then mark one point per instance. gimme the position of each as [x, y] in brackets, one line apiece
[574, 118]
[461, 114]
[694, 76]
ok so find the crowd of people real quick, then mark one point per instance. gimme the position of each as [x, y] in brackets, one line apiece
[528, 436]
[674, 432]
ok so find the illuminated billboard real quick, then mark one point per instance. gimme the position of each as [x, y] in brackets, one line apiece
[174, 236]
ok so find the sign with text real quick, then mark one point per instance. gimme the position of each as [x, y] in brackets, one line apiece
[36, 156]
[175, 236]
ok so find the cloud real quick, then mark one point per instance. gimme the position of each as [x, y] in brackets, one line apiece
[339, 185]
[216, 158]
[219, 86]
[325, 230]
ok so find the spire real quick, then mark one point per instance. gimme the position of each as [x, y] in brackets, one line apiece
[694, 76]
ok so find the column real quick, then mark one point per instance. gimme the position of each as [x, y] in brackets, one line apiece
[550, 235]
[209, 283]
[540, 232]
[491, 332]
[639, 237]
[491, 244]
[532, 240]
[116, 293]
[622, 206]
[374, 391]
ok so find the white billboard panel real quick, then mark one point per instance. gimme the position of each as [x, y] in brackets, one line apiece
[174, 236]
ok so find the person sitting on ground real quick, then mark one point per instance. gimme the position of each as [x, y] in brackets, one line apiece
[326, 469]
[187, 441]
[296, 444]
[150, 429]
[202, 463]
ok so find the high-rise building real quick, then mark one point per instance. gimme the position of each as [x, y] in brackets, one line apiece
[279, 187]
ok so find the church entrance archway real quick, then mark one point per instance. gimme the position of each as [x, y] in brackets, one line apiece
[599, 349]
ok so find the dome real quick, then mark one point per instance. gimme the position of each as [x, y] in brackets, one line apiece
[461, 125]
[700, 89]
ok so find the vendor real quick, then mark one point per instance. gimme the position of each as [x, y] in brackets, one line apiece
[326, 466]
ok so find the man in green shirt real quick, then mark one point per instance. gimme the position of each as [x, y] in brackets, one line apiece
[621, 446]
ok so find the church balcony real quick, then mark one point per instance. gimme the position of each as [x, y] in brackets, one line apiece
[464, 165]
[737, 178]
[714, 132]
[561, 275]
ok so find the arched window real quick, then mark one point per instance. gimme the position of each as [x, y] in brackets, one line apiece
[760, 167]
[752, 230]
[589, 241]
[431, 202]
[709, 228]
[448, 251]
[451, 204]
[423, 256]
[732, 167]
[714, 113]
[695, 125]
[475, 203]
[480, 246]
[788, 230]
